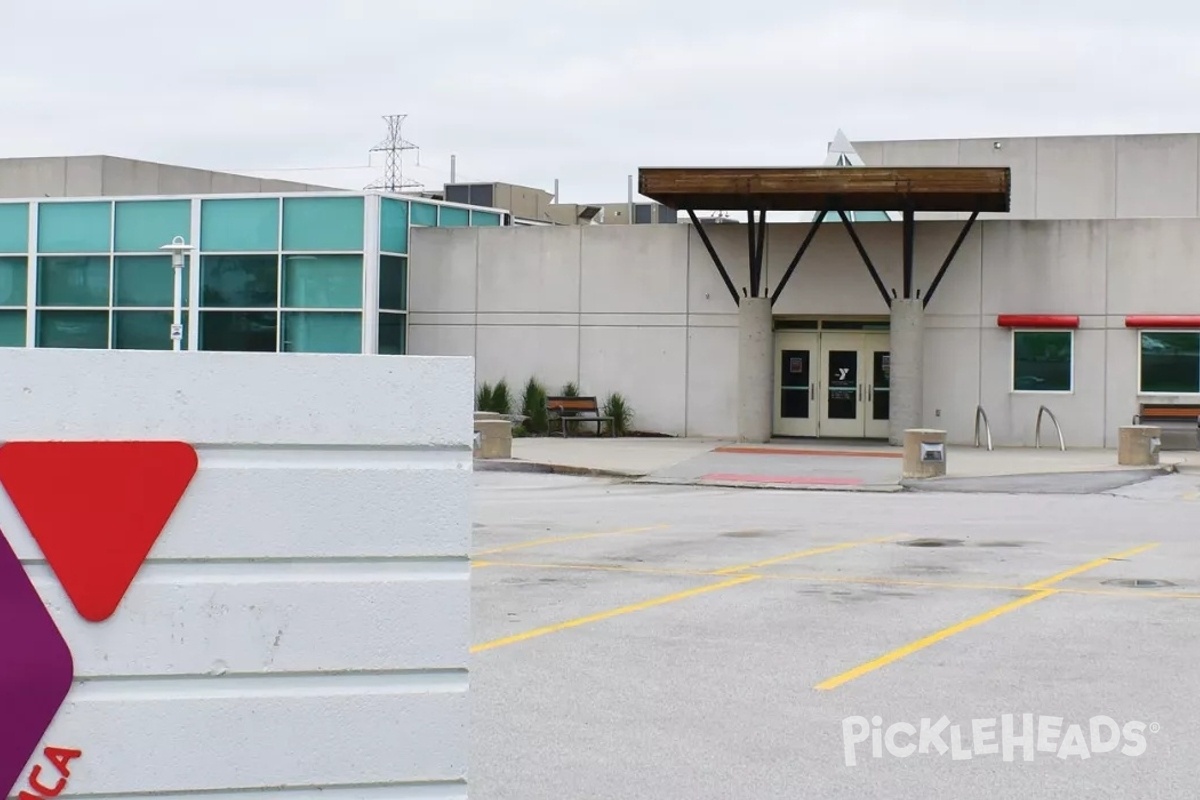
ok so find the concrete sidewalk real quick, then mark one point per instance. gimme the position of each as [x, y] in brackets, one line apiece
[809, 464]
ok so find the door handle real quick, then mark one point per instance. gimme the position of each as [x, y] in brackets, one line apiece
[812, 390]
[870, 392]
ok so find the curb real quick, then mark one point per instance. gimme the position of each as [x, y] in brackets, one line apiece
[793, 487]
[540, 468]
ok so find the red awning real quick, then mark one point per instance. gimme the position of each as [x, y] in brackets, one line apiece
[1037, 321]
[1168, 321]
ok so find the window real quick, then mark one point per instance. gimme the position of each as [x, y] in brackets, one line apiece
[74, 329]
[391, 334]
[239, 331]
[13, 273]
[451, 217]
[79, 281]
[143, 226]
[74, 227]
[322, 224]
[423, 214]
[249, 281]
[1170, 362]
[14, 227]
[322, 281]
[239, 226]
[1042, 361]
[393, 283]
[322, 332]
[393, 225]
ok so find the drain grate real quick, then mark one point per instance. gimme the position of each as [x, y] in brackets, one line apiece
[1138, 583]
[932, 543]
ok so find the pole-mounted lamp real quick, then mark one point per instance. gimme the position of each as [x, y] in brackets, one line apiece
[177, 248]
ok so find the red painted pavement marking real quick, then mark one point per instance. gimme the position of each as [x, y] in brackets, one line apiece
[96, 509]
[786, 451]
[731, 477]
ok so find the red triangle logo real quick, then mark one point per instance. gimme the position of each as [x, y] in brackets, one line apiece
[96, 509]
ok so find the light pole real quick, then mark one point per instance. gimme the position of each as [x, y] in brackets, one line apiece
[177, 248]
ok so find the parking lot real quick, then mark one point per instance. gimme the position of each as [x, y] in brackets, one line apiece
[642, 641]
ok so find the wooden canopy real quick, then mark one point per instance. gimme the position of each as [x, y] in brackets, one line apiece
[946, 189]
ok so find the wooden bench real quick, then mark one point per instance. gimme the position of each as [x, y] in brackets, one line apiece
[576, 411]
[1180, 422]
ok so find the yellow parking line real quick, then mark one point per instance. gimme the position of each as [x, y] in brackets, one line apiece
[816, 551]
[615, 612]
[1040, 591]
[1099, 562]
[574, 537]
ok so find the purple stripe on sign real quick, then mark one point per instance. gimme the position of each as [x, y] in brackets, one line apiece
[36, 669]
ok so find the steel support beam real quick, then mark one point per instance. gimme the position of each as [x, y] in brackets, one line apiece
[712, 253]
[862, 252]
[751, 266]
[812, 231]
[760, 252]
[910, 232]
[962, 237]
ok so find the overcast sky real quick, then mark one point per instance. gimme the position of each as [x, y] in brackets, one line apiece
[586, 91]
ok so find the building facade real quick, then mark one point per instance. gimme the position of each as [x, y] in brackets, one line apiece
[1088, 314]
[306, 272]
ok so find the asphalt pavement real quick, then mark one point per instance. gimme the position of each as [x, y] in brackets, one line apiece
[636, 640]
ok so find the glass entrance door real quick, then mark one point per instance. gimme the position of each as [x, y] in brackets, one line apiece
[878, 399]
[796, 383]
[842, 393]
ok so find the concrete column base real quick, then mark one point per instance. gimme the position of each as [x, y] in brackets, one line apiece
[906, 401]
[1139, 445]
[756, 370]
[924, 453]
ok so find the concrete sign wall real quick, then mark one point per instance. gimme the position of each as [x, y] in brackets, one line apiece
[231, 573]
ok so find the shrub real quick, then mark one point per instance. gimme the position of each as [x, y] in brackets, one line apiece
[533, 407]
[570, 390]
[501, 398]
[483, 397]
[620, 412]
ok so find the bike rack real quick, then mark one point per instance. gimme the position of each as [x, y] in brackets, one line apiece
[1037, 431]
[981, 416]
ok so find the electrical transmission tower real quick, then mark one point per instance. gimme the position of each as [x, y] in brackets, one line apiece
[394, 146]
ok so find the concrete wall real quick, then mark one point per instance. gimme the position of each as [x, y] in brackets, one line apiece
[93, 176]
[303, 619]
[641, 310]
[1070, 177]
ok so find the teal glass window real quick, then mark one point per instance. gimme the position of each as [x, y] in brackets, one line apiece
[14, 227]
[13, 281]
[423, 214]
[323, 282]
[485, 219]
[1042, 361]
[393, 283]
[393, 226]
[73, 281]
[239, 281]
[143, 226]
[145, 330]
[322, 223]
[391, 334]
[239, 331]
[12, 328]
[452, 217]
[147, 281]
[236, 226]
[74, 329]
[74, 227]
[322, 332]
[1170, 363]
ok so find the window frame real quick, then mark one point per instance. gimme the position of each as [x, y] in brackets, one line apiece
[1138, 386]
[1012, 361]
